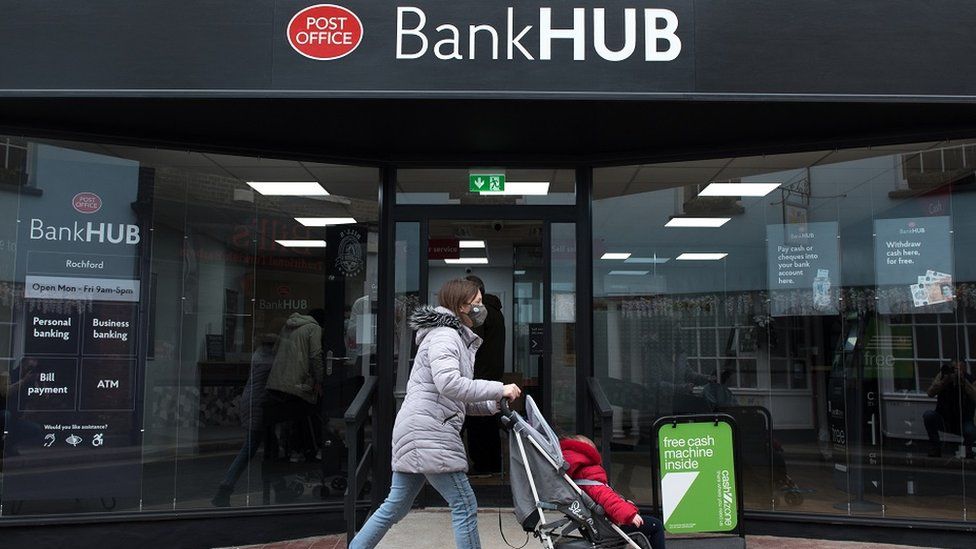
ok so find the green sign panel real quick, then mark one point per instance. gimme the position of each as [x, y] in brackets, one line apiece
[698, 488]
[486, 182]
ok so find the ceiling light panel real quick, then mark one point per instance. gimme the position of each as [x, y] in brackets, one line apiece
[699, 256]
[288, 188]
[655, 260]
[524, 188]
[324, 221]
[703, 222]
[738, 189]
[301, 243]
[615, 255]
[467, 261]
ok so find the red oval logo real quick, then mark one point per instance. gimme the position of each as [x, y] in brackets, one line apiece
[86, 203]
[325, 32]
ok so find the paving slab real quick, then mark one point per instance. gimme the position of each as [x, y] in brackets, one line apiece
[431, 528]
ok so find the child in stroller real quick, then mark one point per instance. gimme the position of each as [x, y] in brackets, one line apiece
[586, 470]
[542, 488]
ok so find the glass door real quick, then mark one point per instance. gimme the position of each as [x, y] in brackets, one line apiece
[527, 269]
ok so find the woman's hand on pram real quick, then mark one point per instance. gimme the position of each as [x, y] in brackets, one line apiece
[637, 521]
[511, 392]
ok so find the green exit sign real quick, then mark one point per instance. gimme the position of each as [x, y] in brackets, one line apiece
[486, 182]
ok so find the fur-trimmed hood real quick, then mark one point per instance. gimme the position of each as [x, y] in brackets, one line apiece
[428, 318]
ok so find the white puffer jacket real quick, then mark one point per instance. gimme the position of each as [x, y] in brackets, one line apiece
[441, 391]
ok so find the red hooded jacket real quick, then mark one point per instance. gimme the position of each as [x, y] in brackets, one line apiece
[585, 463]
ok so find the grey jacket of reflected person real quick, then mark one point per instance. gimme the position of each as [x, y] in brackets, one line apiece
[440, 392]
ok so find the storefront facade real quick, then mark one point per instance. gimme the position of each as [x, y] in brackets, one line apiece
[758, 207]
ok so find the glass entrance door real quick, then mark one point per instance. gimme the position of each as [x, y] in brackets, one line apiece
[527, 269]
[507, 260]
[516, 230]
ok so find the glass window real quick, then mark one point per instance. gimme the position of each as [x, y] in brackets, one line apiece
[828, 289]
[180, 329]
[13, 161]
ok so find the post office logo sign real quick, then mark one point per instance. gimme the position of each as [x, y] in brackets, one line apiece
[325, 32]
[86, 202]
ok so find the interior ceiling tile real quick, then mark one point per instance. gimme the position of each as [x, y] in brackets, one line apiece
[777, 162]
[614, 176]
[255, 173]
[665, 177]
[713, 163]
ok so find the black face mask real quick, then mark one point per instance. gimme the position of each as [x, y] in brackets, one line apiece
[477, 314]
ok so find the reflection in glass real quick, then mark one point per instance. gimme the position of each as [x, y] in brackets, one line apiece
[844, 296]
[203, 363]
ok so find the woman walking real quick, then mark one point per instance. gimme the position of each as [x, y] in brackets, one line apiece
[427, 443]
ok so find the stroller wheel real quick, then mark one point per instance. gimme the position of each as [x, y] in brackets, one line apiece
[793, 499]
[338, 484]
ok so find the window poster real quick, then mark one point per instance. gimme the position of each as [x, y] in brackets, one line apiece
[803, 268]
[913, 265]
[73, 430]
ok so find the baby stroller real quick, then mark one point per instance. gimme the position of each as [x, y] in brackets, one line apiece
[540, 485]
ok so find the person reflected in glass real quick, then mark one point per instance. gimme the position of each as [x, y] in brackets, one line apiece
[15, 429]
[442, 390]
[294, 386]
[252, 417]
[484, 443]
[954, 389]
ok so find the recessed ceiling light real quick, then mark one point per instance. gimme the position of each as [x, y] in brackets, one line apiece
[696, 256]
[708, 222]
[519, 273]
[467, 261]
[324, 221]
[522, 188]
[629, 273]
[615, 255]
[301, 243]
[472, 244]
[654, 259]
[738, 189]
[288, 188]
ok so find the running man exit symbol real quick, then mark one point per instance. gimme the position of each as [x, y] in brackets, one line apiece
[486, 182]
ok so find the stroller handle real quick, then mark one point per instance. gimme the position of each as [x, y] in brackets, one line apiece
[504, 407]
[506, 413]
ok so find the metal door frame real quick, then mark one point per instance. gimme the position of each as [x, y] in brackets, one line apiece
[392, 213]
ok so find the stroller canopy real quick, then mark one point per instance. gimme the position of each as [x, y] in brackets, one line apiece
[546, 467]
[538, 428]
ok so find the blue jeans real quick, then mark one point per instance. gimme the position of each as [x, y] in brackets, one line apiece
[244, 456]
[453, 487]
[934, 422]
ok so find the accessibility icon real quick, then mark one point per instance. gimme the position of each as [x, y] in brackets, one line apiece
[98, 440]
[73, 440]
